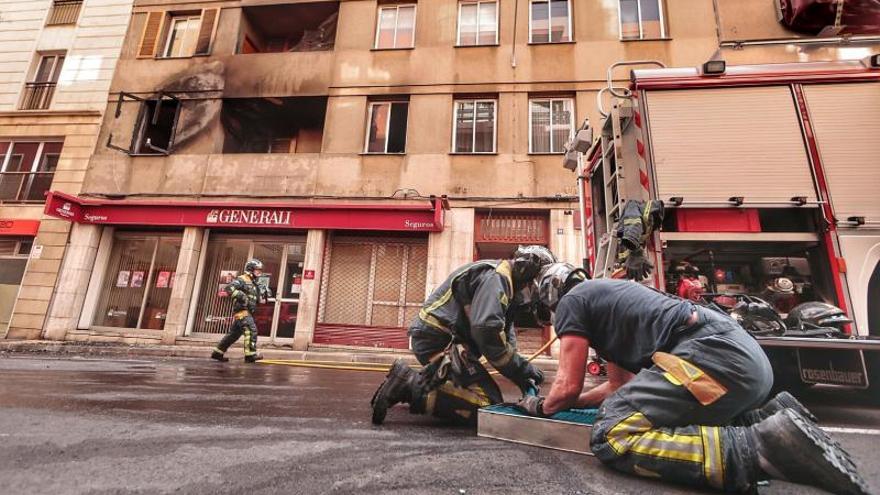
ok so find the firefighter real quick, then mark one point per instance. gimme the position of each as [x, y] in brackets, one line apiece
[468, 316]
[686, 390]
[638, 222]
[246, 293]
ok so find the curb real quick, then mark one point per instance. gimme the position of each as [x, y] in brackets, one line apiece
[69, 348]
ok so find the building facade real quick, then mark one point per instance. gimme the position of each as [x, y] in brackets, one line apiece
[57, 59]
[361, 149]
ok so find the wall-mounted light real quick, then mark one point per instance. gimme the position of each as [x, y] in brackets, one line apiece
[676, 201]
[583, 140]
[714, 68]
[570, 161]
[799, 200]
[736, 200]
[874, 61]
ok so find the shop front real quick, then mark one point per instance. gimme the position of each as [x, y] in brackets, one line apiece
[339, 274]
[16, 242]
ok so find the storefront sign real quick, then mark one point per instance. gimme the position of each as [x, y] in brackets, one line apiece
[18, 227]
[37, 251]
[309, 274]
[424, 217]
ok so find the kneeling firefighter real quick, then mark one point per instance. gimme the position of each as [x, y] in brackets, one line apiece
[469, 315]
[246, 293]
[685, 399]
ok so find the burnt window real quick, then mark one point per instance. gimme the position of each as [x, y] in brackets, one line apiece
[273, 125]
[386, 129]
[155, 126]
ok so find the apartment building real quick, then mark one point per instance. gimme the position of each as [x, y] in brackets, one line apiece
[56, 63]
[361, 149]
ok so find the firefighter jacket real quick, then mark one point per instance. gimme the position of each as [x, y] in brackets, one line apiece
[474, 306]
[245, 293]
[639, 220]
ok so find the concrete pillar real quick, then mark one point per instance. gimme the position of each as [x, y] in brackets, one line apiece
[184, 281]
[565, 242]
[73, 281]
[451, 248]
[307, 312]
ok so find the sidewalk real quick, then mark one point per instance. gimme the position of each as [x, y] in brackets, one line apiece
[353, 355]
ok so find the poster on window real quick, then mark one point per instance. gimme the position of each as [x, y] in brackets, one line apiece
[226, 278]
[122, 278]
[163, 280]
[137, 279]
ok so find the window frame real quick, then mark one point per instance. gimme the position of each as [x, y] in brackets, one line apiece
[169, 27]
[458, 42]
[35, 165]
[396, 7]
[134, 146]
[370, 106]
[661, 7]
[475, 101]
[551, 99]
[549, 21]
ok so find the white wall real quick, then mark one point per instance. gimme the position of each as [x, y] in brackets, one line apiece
[92, 47]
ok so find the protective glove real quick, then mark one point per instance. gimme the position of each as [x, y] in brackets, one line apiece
[535, 374]
[637, 265]
[533, 405]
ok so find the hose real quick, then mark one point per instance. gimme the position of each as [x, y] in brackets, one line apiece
[349, 366]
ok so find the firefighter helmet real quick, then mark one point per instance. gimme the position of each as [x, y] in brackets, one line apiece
[819, 314]
[758, 317]
[554, 282]
[528, 262]
[253, 264]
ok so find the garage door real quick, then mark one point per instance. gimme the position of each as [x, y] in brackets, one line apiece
[712, 144]
[846, 120]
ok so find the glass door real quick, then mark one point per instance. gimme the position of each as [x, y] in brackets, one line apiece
[288, 304]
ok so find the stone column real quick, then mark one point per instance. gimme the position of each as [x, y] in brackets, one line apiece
[451, 248]
[184, 281]
[73, 281]
[307, 312]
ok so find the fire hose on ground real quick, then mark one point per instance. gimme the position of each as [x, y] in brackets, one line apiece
[350, 366]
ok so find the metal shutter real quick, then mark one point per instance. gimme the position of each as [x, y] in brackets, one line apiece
[846, 120]
[712, 144]
[371, 290]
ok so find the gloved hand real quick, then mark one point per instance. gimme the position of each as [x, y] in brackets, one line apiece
[535, 374]
[637, 265]
[531, 405]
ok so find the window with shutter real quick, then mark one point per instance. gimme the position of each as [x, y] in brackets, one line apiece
[206, 31]
[150, 37]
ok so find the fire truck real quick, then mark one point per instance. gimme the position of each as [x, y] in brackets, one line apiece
[770, 177]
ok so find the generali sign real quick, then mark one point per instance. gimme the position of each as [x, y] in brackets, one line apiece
[248, 217]
[424, 217]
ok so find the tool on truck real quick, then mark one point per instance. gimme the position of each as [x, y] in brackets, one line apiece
[768, 178]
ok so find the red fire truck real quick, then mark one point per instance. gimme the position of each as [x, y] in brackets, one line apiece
[770, 176]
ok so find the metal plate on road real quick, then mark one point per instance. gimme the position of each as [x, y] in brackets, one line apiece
[833, 366]
[494, 422]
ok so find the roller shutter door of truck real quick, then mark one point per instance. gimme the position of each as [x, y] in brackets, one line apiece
[846, 120]
[709, 145]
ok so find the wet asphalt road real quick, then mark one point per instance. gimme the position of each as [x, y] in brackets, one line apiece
[191, 426]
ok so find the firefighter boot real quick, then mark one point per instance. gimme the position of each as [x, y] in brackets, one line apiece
[783, 400]
[792, 448]
[219, 356]
[397, 388]
[253, 358]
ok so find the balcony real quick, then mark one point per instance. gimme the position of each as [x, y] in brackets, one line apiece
[64, 12]
[273, 125]
[37, 95]
[305, 27]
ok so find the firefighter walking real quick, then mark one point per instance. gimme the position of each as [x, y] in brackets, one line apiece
[467, 316]
[686, 390]
[246, 293]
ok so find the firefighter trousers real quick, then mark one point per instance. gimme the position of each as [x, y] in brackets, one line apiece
[672, 420]
[453, 399]
[242, 325]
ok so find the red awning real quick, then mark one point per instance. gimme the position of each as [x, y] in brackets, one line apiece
[16, 227]
[426, 217]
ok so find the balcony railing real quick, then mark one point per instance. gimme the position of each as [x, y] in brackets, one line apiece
[64, 12]
[37, 95]
[24, 187]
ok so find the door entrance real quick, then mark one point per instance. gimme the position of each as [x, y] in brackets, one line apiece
[13, 260]
[225, 257]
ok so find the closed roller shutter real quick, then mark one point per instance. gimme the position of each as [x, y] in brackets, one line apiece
[712, 144]
[371, 290]
[846, 120]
